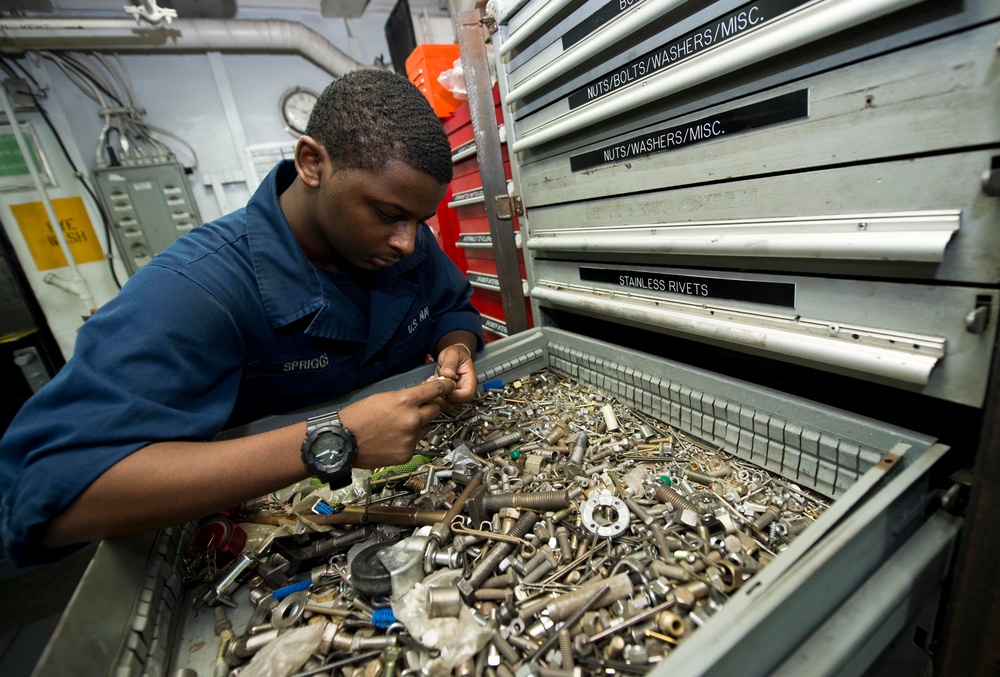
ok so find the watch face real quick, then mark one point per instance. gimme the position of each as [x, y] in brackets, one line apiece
[328, 451]
[296, 106]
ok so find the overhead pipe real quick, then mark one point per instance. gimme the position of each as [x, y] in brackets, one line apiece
[182, 35]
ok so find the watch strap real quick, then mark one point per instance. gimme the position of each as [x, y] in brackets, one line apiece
[315, 425]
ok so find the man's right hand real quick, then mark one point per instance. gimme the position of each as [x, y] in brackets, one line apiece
[388, 426]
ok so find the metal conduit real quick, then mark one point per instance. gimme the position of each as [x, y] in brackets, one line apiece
[208, 35]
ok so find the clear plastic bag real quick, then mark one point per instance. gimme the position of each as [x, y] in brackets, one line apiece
[453, 80]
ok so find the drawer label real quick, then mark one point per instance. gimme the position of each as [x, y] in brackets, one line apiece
[597, 19]
[724, 28]
[484, 280]
[755, 291]
[496, 326]
[791, 106]
[475, 239]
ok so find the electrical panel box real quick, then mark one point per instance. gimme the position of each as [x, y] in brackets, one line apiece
[149, 206]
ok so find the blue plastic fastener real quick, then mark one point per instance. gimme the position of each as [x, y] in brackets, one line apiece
[282, 593]
[323, 508]
[383, 617]
[495, 384]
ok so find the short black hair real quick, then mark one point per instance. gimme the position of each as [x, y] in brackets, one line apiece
[368, 117]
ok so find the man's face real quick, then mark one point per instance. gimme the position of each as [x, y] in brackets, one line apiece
[369, 219]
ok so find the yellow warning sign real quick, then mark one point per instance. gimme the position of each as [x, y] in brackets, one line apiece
[41, 239]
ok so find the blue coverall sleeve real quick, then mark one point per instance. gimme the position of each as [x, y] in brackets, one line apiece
[161, 361]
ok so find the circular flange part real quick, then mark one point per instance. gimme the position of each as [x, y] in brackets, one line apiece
[603, 528]
[289, 610]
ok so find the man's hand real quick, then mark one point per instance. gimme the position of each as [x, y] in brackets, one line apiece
[455, 363]
[388, 426]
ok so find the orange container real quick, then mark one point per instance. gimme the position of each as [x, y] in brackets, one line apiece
[424, 66]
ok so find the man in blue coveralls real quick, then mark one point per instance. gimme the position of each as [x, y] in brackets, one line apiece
[325, 282]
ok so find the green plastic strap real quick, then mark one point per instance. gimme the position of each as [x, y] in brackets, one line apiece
[411, 465]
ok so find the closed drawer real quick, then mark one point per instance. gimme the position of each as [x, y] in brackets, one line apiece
[922, 218]
[913, 337]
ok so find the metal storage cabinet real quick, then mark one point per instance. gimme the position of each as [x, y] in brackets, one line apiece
[805, 186]
[829, 165]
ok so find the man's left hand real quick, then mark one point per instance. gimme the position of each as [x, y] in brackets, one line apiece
[455, 362]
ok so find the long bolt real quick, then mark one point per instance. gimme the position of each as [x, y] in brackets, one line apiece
[667, 495]
[660, 540]
[566, 648]
[617, 587]
[497, 553]
[541, 500]
[497, 443]
[591, 600]
[509, 653]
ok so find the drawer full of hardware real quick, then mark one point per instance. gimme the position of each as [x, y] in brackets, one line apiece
[595, 509]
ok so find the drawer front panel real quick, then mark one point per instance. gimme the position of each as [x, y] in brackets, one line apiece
[923, 218]
[875, 331]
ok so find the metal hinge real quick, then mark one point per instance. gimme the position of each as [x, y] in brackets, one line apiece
[506, 206]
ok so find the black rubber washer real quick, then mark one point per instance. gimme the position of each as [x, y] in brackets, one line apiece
[368, 575]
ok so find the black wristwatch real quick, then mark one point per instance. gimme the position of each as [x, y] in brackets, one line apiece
[329, 449]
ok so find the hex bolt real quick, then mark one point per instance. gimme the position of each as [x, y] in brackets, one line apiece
[765, 518]
[500, 442]
[557, 433]
[494, 594]
[575, 462]
[534, 562]
[508, 516]
[241, 648]
[660, 539]
[666, 570]
[507, 652]
[638, 510]
[665, 494]
[508, 579]
[565, 548]
[539, 572]
[497, 553]
[699, 477]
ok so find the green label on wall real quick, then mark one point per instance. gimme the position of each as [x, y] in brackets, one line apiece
[11, 161]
